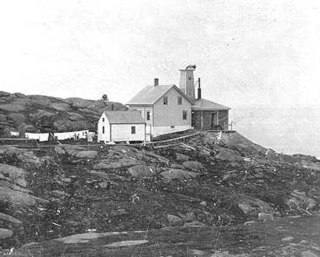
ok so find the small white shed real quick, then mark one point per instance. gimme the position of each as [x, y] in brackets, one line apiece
[121, 126]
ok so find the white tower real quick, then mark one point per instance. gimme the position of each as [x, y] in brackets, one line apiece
[187, 81]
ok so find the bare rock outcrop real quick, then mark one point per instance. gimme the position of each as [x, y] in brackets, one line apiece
[36, 113]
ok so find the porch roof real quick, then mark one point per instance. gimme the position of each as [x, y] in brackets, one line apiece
[206, 105]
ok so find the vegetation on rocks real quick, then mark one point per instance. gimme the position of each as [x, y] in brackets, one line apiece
[198, 189]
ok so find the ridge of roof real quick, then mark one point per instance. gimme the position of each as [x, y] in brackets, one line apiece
[151, 94]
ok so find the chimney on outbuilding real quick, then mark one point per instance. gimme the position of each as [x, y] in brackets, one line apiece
[199, 89]
[156, 82]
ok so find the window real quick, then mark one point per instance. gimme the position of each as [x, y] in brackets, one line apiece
[102, 119]
[165, 100]
[184, 115]
[102, 129]
[179, 100]
[171, 126]
[133, 130]
[148, 115]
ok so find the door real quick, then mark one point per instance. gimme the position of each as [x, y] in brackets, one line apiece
[213, 120]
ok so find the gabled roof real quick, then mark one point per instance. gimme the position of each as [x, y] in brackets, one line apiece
[150, 94]
[206, 105]
[124, 117]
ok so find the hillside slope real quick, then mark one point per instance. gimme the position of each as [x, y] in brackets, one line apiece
[37, 113]
[208, 182]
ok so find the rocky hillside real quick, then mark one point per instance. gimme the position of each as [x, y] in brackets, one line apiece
[72, 200]
[36, 113]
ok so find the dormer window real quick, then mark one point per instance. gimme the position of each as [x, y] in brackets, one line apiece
[165, 100]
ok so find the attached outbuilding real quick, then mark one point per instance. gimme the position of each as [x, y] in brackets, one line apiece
[208, 115]
[121, 126]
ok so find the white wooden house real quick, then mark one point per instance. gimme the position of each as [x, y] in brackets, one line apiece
[168, 108]
[164, 108]
[121, 126]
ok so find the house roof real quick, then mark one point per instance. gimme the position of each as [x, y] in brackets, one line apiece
[150, 94]
[124, 117]
[206, 105]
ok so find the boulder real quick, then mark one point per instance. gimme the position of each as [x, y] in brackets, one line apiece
[18, 198]
[177, 174]
[66, 180]
[265, 216]
[5, 233]
[158, 158]
[72, 149]
[203, 203]
[182, 157]
[126, 243]
[24, 156]
[9, 184]
[139, 171]
[253, 206]
[176, 166]
[26, 128]
[13, 174]
[86, 154]
[63, 124]
[174, 220]
[86, 237]
[193, 165]
[194, 224]
[61, 106]
[17, 118]
[12, 107]
[115, 164]
[300, 200]
[9, 219]
[40, 114]
[188, 217]
[59, 194]
[226, 154]
[123, 149]
[75, 116]
[104, 184]
[59, 150]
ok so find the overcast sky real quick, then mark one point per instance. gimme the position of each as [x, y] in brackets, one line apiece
[246, 51]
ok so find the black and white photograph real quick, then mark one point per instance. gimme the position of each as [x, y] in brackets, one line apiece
[160, 128]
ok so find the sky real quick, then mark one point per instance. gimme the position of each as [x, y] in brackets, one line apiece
[247, 52]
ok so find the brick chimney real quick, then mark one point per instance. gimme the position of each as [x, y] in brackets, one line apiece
[199, 89]
[187, 81]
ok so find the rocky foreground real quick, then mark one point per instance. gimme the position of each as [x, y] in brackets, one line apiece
[205, 197]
